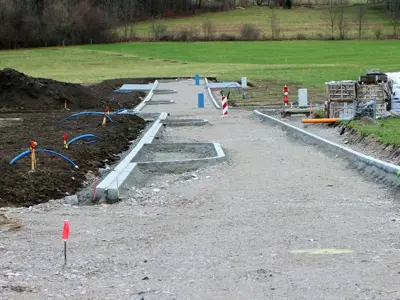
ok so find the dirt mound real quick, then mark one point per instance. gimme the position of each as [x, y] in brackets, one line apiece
[21, 93]
[55, 178]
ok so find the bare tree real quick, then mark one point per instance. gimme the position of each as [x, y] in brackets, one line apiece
[342, 23]
[360, 17]
[274, 24]
[226, 4]
[377, 30]
[331, 19]
[250, 32]
[393, 7]
[208, 30]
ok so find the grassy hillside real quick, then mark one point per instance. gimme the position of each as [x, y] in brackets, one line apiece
[388, 132]
[299, 22]
[268, 65]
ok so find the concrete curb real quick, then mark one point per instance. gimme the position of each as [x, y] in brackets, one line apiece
[340, 150]
[211, 95]
[148, 97]
[109, 186]
[124, 172]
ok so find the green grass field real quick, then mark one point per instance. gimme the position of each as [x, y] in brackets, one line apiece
[388, 132]
[308, 22]
[268, 65]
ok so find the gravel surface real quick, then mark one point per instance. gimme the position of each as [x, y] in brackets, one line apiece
[369, 146]
[232, 231]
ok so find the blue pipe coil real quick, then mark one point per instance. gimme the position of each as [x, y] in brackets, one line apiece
[84, 136]
[27, 152]
[85, 113]
[119, 110]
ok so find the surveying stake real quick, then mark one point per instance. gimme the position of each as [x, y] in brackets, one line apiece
[33, 144]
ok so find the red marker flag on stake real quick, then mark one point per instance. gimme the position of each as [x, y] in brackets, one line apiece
[65, 232]
[107, 110]
[64, 237]
[65, 103]
[65, 141]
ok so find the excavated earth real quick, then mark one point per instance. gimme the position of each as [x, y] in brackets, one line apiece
[30, 109]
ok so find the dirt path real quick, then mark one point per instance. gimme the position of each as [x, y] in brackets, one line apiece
[223, 232]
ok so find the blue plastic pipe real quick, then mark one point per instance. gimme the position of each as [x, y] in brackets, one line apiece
[85, 113]
[84, 136]
[27, 152]
[119, 110]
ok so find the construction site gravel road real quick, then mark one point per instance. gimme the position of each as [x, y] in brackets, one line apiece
[277, 220]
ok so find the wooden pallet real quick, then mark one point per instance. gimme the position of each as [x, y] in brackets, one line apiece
[341, 91]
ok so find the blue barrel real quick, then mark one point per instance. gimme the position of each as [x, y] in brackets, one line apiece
[197, 79]
[200, 100]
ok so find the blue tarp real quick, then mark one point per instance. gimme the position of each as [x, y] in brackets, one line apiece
[128, 88]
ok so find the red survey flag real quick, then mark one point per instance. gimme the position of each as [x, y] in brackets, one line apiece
[65, 232]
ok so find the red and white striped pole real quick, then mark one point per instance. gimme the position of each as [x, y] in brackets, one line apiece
[224, 106]
[285, 95]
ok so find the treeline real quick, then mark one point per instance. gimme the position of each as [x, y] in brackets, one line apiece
[38, 23]
[33, 23]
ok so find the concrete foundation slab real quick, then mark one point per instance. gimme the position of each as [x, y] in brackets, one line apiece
[166, 152]
[153, 102]
[185, 122]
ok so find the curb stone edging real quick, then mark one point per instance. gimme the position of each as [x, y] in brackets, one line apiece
[120, 175]
[211, 95]
[121, 171]
[341, 150]
[148, 97]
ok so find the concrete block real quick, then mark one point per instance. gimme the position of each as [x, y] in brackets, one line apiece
[73, 200]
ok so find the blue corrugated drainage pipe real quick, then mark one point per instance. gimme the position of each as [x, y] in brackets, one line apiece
[84, 113]
[84, 136]
[27, 152]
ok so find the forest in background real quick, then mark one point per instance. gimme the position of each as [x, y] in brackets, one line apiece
[38, 23]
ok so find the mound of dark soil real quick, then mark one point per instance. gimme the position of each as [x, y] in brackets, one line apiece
[22, 93]
[54, 177]
[19, 92]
